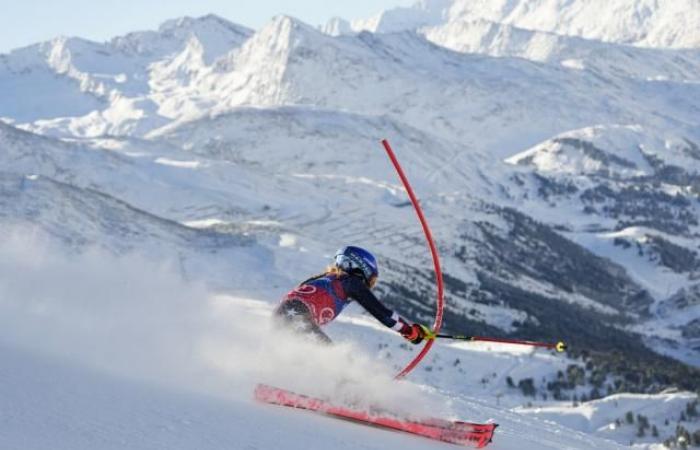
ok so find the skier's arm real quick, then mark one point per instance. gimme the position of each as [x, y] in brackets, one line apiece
[356, 289]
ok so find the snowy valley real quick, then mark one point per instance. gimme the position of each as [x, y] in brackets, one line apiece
[167, 187]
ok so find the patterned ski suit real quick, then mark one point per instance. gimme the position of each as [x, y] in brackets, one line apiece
[320, 299]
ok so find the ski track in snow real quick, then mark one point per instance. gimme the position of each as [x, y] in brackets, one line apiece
[50, 404]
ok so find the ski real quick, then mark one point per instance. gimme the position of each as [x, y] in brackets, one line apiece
[455, 432]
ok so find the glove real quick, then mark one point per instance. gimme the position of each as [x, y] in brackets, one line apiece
[415, 333]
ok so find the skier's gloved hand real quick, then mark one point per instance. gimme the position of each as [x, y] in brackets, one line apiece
[415, 333]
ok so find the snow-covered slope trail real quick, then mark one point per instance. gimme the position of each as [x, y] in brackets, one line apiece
[48, 404]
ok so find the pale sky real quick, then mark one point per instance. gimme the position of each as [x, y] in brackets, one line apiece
[25, 22]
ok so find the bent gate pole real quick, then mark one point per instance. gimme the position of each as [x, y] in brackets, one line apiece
[436, 260]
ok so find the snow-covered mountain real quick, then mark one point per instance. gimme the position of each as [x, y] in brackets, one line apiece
[96, 88]
[645, 23]
[500, 39]
[557, 164]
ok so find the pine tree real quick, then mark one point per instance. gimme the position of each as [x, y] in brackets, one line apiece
[696, 438]
[643, 421]
[527, 386]
[682, 437]
[640, 430]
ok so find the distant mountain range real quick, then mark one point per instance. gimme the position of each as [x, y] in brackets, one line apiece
[643, 23]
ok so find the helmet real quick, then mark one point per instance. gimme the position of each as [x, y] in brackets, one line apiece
[358, 260]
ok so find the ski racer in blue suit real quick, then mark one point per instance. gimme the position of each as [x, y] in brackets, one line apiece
[321, 298]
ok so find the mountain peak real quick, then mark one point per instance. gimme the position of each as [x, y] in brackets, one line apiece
[217, 36]
[283, 21]
[401, 19]
[337, 26]
[194, 23]
[284, 32]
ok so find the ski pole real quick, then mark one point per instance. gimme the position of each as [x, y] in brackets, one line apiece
[558, 346]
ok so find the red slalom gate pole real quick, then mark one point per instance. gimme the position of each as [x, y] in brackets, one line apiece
[433, 251]
[558, 346]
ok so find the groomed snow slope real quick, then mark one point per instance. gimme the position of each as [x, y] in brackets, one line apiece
[48, 404]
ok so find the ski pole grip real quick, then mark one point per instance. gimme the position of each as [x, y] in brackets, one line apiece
[429, 334]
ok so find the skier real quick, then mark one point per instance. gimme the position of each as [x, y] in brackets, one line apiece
[320, 299]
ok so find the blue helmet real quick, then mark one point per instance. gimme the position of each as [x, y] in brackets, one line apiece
[358, 260]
